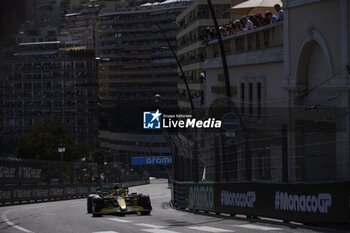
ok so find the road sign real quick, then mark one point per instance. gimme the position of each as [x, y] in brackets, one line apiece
[231, 121]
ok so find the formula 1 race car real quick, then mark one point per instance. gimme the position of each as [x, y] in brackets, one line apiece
[118, 201]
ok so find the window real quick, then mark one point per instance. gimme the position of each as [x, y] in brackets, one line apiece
[250, 99]
[258, 96]
[251, 96]
[242, 98]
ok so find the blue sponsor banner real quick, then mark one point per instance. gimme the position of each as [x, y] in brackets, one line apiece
[152, 160]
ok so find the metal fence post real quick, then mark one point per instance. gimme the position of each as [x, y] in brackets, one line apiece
[248, 158]
[217, 160]
[284, 153]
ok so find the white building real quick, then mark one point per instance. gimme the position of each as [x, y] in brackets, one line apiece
[316, 74]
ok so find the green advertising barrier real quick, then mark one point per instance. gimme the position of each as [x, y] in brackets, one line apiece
[200, 196]
[311, 203]
[305, 202]
[235, 198]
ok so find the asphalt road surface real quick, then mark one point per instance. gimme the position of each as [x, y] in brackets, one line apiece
[70, 216]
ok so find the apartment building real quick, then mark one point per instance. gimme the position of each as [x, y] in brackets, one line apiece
[45, 81]
[76, 5]
[192, 53]
[135, 65]
[82, 26]
[81, 21]
[191, 47]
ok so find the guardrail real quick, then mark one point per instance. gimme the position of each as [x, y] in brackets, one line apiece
[16, 194]
[305, 202]
[136, 183]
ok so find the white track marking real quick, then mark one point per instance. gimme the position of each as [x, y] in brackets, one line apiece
[34, 206]
[118, 220]
[104, 232]
[209, 229]
[8, 222]
[257, 227]
[149, 225]
[158, 231]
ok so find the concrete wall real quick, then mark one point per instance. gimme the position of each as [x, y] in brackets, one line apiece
[269, 74]
[326, 21]
[326, 24]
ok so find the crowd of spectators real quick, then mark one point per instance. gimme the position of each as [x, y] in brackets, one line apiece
[246, 23]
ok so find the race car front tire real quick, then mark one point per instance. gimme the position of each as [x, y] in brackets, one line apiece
[89, 203]
[97, 205]
[145, 202]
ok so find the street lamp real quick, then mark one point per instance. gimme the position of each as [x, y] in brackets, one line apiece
[61, 150]
[157, 100]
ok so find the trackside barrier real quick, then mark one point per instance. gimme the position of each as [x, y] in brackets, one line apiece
[10, 194]
[34, 193]
[306, 202]
[135, 183]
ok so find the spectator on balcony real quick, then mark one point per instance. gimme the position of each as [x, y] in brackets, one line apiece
[213, 33]
[222, 31]
[237, 27]
[259, 20]
[247, 24]
[270, 18]
[229, 30]
[251, 18]
[279, 12]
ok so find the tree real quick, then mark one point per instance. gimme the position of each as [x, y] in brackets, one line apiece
[43, 141]
[101, 156]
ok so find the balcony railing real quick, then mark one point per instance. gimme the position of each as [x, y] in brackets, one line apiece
[186, 43]
[258, 38]
[192, 60]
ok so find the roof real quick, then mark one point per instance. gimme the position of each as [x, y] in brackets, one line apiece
[32, 53]
[40, 43]
[72, 14]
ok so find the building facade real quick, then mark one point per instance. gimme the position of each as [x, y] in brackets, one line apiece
[255, 65]
[135, 65]
[44, 82]
[289, 85]
[316, 74]
[81, 26]
[191, 49]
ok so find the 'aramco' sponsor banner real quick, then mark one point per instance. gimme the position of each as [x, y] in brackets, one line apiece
[200, 196]
[151, 160]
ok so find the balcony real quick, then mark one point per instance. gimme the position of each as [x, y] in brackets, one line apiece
[184, 104]
[262, 38]
[192, 85]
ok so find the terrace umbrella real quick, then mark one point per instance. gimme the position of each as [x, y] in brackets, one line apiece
[147, 4]
[252, 7]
